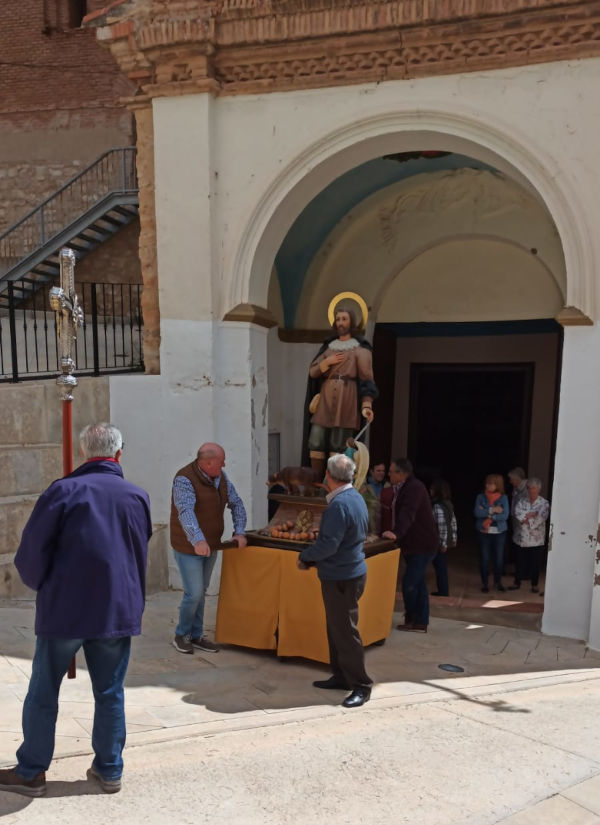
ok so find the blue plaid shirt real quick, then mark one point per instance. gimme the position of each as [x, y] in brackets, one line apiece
[184, 498]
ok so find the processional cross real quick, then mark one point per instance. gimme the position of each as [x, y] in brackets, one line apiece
[69, 317]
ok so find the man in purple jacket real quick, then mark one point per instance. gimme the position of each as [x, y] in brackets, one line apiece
[84, 550]
[415, 530]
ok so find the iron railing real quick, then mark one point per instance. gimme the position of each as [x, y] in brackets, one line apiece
[113, 173]
[111, 339]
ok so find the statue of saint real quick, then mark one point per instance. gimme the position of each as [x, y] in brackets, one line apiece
[342, 375]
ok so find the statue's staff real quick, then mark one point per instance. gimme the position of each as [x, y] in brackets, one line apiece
[69, 317]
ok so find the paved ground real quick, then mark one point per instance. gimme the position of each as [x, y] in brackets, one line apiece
[239, 737]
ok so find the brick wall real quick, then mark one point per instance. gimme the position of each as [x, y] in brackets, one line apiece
[59, 102]
[115, 261]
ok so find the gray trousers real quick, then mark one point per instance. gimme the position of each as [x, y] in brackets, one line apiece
[346, 650]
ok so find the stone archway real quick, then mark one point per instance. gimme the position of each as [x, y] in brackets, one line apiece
[342, 150]
[353, 144]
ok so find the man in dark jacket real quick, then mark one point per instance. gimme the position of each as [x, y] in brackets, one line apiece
[414, 529]
[84, 550]
[340, 558]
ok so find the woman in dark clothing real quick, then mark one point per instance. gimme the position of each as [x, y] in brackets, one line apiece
[443, 511]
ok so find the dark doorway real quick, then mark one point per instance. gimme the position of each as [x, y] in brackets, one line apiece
[468, 420]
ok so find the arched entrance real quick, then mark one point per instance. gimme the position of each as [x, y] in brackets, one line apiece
[292, 193]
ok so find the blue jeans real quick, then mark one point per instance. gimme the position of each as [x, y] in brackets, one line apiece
[491, 546]
[414, 589]
[107, 661]
[195, 576]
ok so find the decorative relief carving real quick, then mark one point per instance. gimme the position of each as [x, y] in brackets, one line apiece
[489, 194]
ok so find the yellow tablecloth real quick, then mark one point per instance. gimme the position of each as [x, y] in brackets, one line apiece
[266, 602]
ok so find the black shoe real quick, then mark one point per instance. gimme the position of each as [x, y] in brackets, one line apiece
[534, 590]
[205, 645]
[500, 588]
[330, 684]
[183, 644]
[485, 589]
[357, 698]
[435, 593]
[514, 586]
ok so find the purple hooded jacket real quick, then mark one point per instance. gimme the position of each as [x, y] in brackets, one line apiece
[84, 550]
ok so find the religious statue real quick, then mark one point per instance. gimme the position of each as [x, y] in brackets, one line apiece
[341, 385]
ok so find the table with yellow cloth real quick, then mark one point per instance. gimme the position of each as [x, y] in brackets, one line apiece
[265, 602]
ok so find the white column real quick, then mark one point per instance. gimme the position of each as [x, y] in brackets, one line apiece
[576, 493]
[241, 412]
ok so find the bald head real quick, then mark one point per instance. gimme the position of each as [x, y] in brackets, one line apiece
[211, 459]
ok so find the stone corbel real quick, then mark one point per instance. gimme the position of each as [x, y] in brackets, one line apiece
[573, 317]
[251, 314]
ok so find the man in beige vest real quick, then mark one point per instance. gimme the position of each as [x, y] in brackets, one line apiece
[201, 491]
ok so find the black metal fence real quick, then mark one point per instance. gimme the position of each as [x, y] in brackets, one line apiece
[110, 341]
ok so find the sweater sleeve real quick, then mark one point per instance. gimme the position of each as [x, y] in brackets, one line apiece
[331, 531]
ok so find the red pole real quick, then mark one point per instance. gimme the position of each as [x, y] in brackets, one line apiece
[67, 439]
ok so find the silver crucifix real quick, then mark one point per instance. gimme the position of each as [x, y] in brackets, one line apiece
[69, 317]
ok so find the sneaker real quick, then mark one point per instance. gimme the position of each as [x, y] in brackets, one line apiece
[183, 644]
[107, 785]
[206, 645]
[11, 781]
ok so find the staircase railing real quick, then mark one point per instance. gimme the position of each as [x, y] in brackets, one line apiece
[114, 172]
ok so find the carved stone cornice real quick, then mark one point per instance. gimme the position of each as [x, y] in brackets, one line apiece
[248, 46]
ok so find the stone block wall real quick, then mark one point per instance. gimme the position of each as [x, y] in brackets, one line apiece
[31, 458]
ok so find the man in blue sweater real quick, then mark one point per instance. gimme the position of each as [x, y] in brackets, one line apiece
[340, 558]
[84, 550]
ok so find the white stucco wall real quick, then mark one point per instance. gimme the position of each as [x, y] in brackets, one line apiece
[274, 152]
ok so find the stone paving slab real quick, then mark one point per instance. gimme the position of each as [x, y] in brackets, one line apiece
[527, 694]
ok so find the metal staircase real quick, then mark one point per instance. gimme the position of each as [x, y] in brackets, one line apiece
[82, 214]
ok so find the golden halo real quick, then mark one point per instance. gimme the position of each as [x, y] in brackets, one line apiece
[353, 296]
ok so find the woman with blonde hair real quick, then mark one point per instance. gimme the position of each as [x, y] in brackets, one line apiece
[491, 520]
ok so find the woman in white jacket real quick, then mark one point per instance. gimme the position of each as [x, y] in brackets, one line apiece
[531, 513]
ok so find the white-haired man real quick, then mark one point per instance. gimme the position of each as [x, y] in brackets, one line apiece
[339, 556]
[84, 550]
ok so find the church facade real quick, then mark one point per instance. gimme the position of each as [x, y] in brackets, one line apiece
[440, 160]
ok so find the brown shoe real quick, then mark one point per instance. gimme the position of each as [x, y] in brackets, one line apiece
[412, 627]
[107, 785]
[11, 781]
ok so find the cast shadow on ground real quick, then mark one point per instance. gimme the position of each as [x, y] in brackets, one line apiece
[292, 689]
[12, 803]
